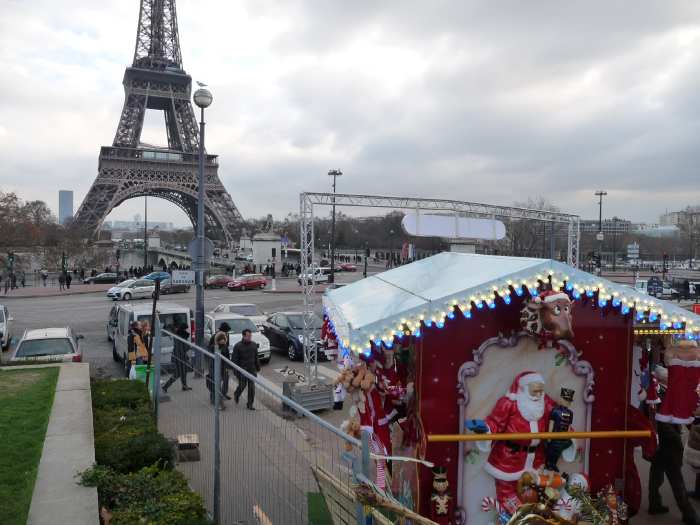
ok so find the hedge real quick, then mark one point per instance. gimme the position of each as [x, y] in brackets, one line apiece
[134, 474]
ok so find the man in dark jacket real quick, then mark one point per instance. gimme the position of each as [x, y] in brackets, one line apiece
[245, 355]
[179, 359]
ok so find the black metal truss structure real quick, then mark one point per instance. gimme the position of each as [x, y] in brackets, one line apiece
[131, 169]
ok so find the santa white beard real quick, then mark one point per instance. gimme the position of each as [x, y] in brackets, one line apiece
[532, 409]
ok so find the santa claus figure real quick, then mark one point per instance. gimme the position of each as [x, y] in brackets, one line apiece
[525, 409]
[681, 399]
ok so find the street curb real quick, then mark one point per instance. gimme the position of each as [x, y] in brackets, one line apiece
[290, 291]
[57, 294]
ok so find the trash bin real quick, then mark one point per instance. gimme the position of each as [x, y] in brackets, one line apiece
[140, 375]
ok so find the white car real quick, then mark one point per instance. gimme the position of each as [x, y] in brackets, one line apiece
[248, 310]
[140, 289]
[49, 344]
[238, 323]
[111, 293]
[317, 275]
[5, 335]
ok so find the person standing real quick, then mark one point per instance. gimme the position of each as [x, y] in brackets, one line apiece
[180, 350]
[221, 340]
[62, 281]
[69, 279]
[245, 355]
[23, 278]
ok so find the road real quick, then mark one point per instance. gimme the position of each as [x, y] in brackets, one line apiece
[87, 313]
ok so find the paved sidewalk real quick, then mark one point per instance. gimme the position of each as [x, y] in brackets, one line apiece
[52, 291]
[68, 449]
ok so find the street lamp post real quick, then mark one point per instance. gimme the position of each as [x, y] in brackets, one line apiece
[600, 194]
[145, 234]
[203, 99]
[331, 277]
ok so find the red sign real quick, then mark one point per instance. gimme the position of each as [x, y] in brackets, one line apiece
[696, 308]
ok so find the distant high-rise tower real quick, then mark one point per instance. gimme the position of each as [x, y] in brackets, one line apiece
[65, 206]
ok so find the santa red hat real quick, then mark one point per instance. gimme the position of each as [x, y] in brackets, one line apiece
[549, 296]
[522, 380]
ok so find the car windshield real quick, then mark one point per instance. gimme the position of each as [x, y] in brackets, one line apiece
[125, 283]
[237, 325]
[244, 309]
[37, 347]
[297, 321]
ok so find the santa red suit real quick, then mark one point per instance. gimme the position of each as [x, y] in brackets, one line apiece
[681, 399]
[508, 460]
[328, 338]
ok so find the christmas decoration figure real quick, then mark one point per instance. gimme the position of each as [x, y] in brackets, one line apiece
[560, 420]
[525, 409]
[681, 399]
[548, 316]
[568, 506]
[441, 503]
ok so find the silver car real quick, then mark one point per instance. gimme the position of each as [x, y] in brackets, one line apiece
[140, 289]
[49, 344]
[5, 321]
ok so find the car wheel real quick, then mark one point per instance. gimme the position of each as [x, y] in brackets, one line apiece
[243, 288]
[114, 352]
[262, 286]
[127, 296]
[292, 352]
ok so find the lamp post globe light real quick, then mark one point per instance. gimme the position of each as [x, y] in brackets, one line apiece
[203, 99]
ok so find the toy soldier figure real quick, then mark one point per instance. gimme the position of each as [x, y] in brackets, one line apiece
[441, 507]
[560, 420]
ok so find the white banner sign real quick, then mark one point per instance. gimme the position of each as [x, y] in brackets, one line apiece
[183, 276]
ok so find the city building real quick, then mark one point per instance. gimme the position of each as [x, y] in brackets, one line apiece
[65, 206]
[612, 226]
[674, 218]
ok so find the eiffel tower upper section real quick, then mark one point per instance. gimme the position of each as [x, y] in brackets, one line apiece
[156, 80]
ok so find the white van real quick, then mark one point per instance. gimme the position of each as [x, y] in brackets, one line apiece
[121, 316]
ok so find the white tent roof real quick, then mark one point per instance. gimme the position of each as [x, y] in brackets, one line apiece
[378, 306]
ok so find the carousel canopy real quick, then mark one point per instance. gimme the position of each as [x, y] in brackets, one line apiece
[435, 289]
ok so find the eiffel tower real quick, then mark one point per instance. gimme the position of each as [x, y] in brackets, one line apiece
[129, 168]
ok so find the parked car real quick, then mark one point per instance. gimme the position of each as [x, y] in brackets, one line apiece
[114, 289]
[5, 322]
[167, 286]
[101, 278]
[317, 275]
[285, 332]
[49, 344]
[248, 281]
[122, 315]
[218, 281]
[238, 323]
[248, 310]
[157, 276]
[347, 267]
[139, 289]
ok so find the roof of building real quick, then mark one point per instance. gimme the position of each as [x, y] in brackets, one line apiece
[384, 305]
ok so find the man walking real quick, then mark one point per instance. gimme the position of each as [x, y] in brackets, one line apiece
[245, 355]
[179, 359]
[61, 281]
[221, 340]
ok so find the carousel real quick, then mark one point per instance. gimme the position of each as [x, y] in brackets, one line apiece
[514, 381]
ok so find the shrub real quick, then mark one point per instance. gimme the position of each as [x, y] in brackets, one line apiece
[149, 495]
[126, 437]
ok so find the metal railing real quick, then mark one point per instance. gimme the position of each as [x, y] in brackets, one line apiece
[251, 465]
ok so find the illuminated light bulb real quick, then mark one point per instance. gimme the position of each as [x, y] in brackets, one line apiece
[509, 282]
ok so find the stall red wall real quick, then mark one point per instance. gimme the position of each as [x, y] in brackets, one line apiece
[604, 336]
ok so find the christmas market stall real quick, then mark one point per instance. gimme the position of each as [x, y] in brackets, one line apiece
[511, 379]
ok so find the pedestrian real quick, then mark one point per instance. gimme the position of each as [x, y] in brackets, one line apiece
[13, 279]
[44, 276]
[222, 341]
[23, 278]
[7, 284]
[245, 355]
[69, 279]
[217, 345]
[136, 344]
[180, 361]
[61, 281]
[82, 274]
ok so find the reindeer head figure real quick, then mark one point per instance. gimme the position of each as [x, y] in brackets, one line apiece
[549, 312]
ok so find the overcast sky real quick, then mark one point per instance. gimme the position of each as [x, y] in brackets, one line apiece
[482, 101]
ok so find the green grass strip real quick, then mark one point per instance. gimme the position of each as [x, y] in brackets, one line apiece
[26, 397]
